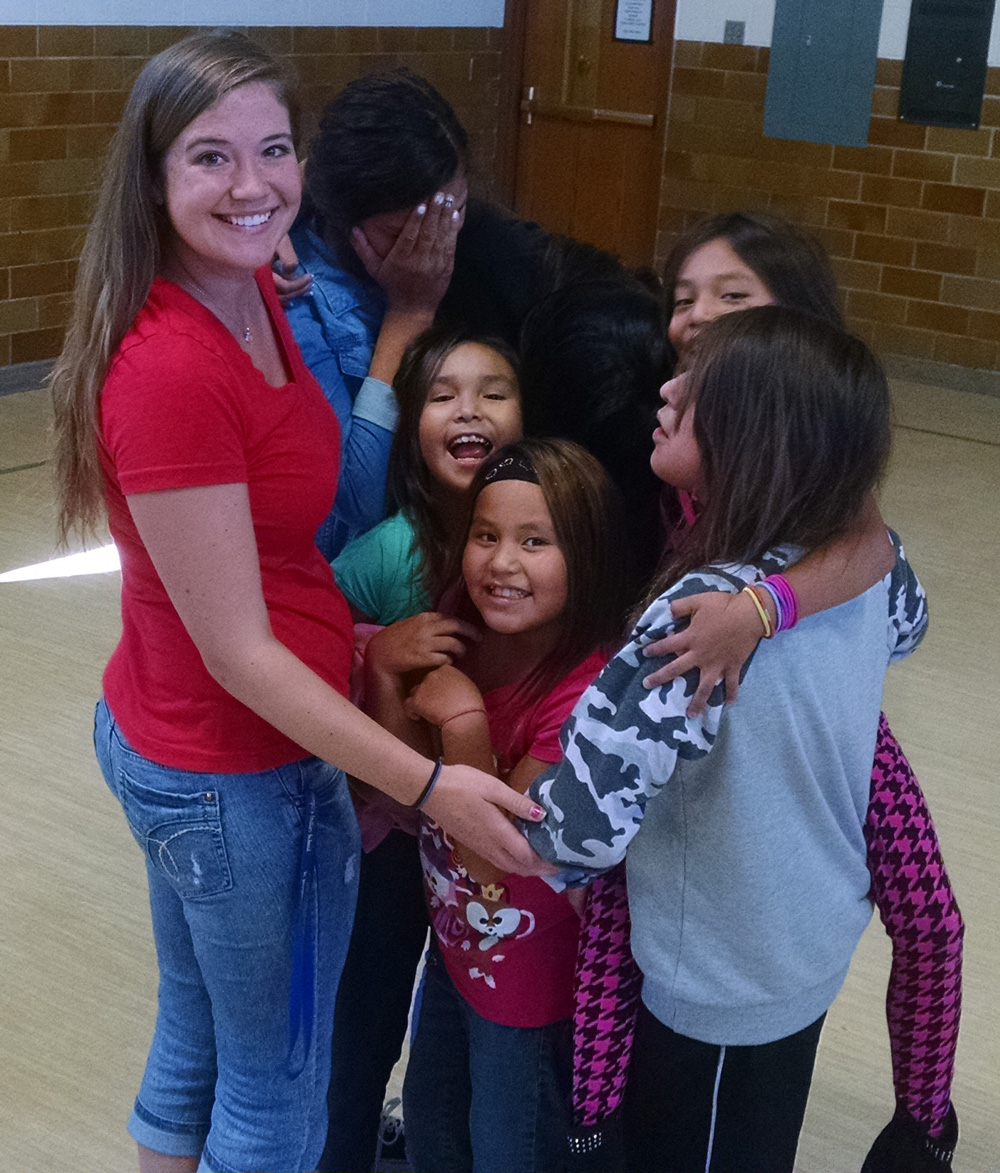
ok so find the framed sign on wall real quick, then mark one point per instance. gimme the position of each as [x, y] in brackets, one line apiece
[634, 21]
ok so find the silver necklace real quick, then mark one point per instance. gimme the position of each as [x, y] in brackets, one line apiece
[245, 331]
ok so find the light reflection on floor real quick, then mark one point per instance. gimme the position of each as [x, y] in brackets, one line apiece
[103, 560]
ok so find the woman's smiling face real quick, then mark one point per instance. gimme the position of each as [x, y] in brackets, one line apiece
[231, 183]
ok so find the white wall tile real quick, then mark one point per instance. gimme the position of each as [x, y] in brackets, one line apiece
[475, 13]
[705, 20]
[138, 12]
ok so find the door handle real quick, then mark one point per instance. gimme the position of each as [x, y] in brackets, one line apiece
[528, 105]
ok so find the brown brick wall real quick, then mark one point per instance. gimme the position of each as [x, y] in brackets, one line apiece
[62, 90]
[912, 221]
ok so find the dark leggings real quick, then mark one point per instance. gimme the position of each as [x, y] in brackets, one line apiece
[693, 1107]
[373, 1001]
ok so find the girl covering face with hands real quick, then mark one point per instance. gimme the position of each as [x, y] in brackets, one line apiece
[373, 254]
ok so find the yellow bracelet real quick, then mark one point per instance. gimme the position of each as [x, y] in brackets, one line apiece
[761, 611]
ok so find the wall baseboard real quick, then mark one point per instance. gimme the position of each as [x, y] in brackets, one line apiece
[941, 374]
[25, 376]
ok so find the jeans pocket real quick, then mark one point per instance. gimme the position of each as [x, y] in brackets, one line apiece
[181, 833]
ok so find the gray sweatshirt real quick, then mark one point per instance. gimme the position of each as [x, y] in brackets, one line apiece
[747, 871]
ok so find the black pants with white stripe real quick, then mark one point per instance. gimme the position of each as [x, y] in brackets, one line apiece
[693, 1107]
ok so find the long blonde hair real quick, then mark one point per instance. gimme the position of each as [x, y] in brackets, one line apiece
[121, 253]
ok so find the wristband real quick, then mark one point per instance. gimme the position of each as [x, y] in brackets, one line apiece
[463, 713]
[786, 601]
[429, 788]
[761, 611]
[780, 615]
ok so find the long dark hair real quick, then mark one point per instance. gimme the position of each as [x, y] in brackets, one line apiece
[792, 264]
[412, 489]
[791, 416]
[586, 513]
[593, 357]
[386, 142]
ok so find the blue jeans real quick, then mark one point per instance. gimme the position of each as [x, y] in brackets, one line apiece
[223, 861]
[480, 1096]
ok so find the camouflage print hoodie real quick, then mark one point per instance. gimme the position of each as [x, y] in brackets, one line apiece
[746, 861]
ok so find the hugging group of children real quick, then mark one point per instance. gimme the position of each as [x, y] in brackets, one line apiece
[752, 838]
[642, 901]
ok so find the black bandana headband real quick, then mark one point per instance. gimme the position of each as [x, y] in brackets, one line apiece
[512, 468]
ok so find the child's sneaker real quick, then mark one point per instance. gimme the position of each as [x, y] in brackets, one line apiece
[390, 1152]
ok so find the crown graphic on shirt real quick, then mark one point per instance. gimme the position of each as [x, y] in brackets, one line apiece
[493, 892]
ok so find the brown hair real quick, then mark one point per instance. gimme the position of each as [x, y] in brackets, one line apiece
[791, 416]
[411, 487]
[587, 517]
[792, 264]
[121, 253]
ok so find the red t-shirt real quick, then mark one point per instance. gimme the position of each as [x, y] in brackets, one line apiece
[183, 406]
[510, 947]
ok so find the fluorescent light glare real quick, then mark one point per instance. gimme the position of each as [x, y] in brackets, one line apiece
[101, 561]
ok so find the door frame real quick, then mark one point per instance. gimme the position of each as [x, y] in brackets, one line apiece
[513, 37]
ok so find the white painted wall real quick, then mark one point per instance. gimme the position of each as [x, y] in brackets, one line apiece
[705, 20]
[384, 13]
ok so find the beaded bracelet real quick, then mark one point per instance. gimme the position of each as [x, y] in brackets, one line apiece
[431, 783]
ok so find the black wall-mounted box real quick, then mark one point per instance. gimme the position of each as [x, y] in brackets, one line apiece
[944, 70]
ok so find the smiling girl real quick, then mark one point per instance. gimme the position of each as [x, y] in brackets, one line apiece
[459, 402]
[487, 1080]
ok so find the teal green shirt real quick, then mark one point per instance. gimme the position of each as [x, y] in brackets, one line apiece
[379, 572]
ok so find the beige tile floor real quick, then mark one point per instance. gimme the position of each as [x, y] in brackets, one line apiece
[78, 979]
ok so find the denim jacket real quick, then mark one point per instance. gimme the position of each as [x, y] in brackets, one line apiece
[336, 325]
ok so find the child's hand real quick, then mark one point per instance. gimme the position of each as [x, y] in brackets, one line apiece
[288, 283]
[428, 640]
[722, 634]
[416, 271]
[442, 695]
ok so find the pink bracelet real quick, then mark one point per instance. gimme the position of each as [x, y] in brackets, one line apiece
[786, 603]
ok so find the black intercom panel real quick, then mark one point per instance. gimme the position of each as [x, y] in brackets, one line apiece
[945, 66]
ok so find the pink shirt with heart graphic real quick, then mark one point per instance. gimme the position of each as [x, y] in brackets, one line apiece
[510, 947]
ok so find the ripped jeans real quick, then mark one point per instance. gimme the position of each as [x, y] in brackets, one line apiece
[224, 861]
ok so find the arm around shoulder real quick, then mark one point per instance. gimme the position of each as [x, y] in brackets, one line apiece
[620, 746]
[908, 618]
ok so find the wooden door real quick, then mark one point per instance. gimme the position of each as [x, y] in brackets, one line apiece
[592, 117]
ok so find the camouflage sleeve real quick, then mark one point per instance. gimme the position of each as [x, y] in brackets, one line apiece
[621, 745]
[907, 606]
